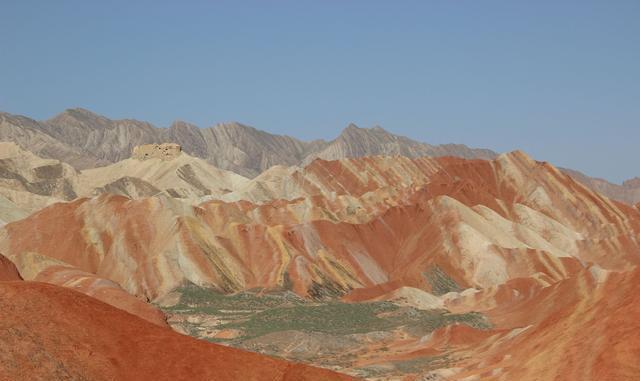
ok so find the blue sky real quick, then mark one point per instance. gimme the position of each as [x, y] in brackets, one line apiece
[558, 79]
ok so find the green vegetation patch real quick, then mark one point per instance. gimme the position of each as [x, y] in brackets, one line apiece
[258, 314]
[195, 299]
[333, 317]
[421, 364]
[441, 283]
[351, 318]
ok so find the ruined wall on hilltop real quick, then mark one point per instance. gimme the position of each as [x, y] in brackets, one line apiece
[165, 151]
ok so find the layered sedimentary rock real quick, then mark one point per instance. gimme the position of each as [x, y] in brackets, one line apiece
[512, 239]
[483, 223]
[29, 183]
[356, 142]
[628, 192]
[169, 171]
[581, 328]
[39, 268]
[444, 267]
[51, 332]
[35, 137]
[9, 211]
[87, 140]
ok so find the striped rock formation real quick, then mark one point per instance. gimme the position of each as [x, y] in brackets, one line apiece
[543, 257]
[481, 222]
[28, 183]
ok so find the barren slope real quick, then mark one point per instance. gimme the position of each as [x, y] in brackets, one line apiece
[183, 177]
[581, 328]
[31, 182]
[50, 332]
[9, 211]
[356, 142]
[86, 140]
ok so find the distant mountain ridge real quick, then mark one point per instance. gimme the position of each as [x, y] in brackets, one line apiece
[482, 262]
[86, 140]
[628, 192]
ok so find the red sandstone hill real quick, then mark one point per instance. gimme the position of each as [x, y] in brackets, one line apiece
[53, 333]
[369, 222]
[582, 328]
[552, 264]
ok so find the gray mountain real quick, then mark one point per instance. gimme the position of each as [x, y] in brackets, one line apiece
[104, 139]
[34, 136]
[358, 142]
[86, 140]
[239, 148]
[628, 192]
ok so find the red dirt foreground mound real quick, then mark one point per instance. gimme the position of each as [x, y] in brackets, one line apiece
[8, 270]
[53, 333]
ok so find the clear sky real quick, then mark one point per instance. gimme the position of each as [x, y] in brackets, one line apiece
[558, 79]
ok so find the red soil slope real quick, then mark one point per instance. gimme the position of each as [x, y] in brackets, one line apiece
[8, 270]
[40, 268]
[53, 333]
[595, 335]
[583, 328]
[103, 290]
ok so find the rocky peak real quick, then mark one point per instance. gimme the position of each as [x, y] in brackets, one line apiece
[164, 151]
[182, 125]
[352, 127]
[78, 117]
[632, 183]
[354, 135]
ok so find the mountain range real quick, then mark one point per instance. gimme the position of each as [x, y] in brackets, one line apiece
[372, 256]
[379, 267]
[87, 140]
